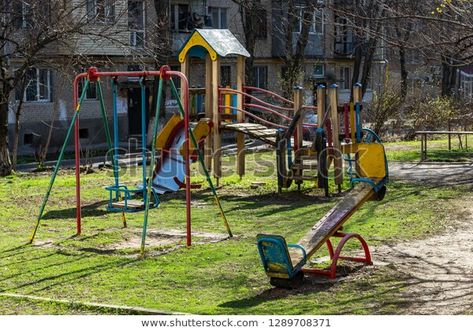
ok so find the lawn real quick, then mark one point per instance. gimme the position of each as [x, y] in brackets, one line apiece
[221, 277]
[437, 151]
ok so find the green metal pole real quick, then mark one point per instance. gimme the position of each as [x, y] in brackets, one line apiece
[151, 169]
[108, 134]
[59, 160]
[104, 117]
[202, 162]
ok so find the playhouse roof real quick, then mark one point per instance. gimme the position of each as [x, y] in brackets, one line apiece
[215, 42]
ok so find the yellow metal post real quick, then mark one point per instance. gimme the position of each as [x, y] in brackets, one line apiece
[217, 140]
[335, 119]
[208, 109]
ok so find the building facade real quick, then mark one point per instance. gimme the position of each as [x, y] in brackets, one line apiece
[119, 35]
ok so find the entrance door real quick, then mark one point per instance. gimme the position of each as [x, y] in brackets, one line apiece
[134, 110]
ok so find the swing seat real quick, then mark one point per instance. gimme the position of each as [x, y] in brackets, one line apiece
[132, 200]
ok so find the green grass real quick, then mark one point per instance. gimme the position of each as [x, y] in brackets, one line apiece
[437, 151]
[218, 278]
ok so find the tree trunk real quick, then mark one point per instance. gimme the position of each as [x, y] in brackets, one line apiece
[367, 64]
[247, 13]
[16, 136]
[163, 49]
[5, 162]
[14, 154]
[358, 57]
[43, 153]
[294, 59]
[449, 77]
[404, 72]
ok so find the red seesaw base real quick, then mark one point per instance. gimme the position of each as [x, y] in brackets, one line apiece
[335, 256]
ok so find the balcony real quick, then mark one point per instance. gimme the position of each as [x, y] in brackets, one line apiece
[343, 49]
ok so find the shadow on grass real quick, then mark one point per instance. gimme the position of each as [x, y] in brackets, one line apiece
[312, 284]
[68, 277]
[95, 209]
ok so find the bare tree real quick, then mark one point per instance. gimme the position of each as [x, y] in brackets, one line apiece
[441, 31]
[293, 27]
[251, 12]
[363, 19]
[38, 32]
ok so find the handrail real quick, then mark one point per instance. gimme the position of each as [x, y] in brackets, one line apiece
[254, 116]
[277, 96]
[287, 109]
[232, 91]
[223, 107]
[309, 107]
[251, 105]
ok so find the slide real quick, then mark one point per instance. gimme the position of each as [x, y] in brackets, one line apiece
[283, 262]
[169, 172]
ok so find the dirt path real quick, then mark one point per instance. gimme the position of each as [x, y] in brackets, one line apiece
[441, 174]
[439, 270]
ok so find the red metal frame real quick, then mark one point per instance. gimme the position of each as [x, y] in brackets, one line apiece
[254, 116]
[264, 106]
[94, 74]
[77, 150]
[224, 90]
[272, 94]
[335, 256]
[260, 107]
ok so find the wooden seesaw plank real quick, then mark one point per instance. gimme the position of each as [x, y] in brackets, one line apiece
[332, 221]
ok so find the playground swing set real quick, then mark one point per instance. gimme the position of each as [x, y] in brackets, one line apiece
[231, 109]
[168, 173]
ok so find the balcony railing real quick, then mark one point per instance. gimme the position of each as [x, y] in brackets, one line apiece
[343, 48]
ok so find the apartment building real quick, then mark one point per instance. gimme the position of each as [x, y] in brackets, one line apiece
[132, 25]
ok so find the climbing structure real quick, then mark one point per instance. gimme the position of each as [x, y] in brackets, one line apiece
[247, 111]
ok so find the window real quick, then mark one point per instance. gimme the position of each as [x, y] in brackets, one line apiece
[27, 14]
[343, 36]
[177, 82]
[316, 25]
[83, 133]
[262, 23]
[225, 76]
[466, 85]
[219, 17]
[91, 93]
[37, 86]
[28, 139]
[136, 23]
[319, 71]
[180, 17]
[345, 78]
[412, 56]
[103, 11]
[260, 76]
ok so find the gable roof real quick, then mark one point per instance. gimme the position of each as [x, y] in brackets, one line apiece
[215, 42]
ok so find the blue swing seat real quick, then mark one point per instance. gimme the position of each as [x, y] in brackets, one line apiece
[133, 199]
